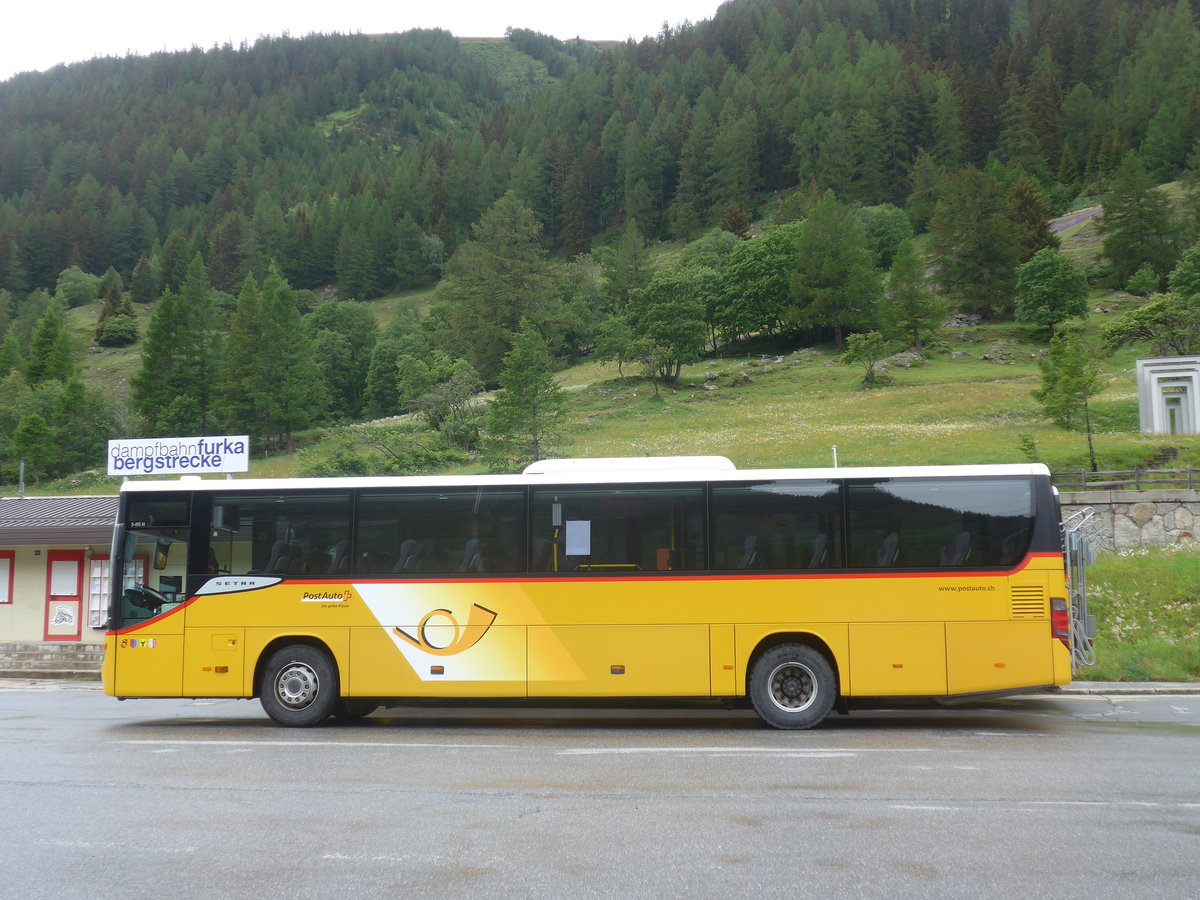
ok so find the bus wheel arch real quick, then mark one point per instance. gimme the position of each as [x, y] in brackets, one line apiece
[298, 682]
[792, 681]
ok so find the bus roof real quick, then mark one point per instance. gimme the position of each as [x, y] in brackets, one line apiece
[592, 471]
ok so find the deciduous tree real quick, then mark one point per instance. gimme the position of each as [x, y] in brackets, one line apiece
[1070, 378]
[1050, 290]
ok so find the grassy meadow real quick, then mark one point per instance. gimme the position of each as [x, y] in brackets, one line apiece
[1147, 607]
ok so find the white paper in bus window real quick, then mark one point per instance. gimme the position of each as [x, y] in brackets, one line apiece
[579, 537]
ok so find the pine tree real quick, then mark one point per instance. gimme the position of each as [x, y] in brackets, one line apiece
[411, 267]
[910, 309]
[143, 285]
[35, 443]
[1185, 277]
[630, 268]
[290, 387]
[494, 280]
[1137, 223]
[974, 244]
[239, 403]
[50, 357]
[835, 284]
[527, 418]
[175, 389]
[227, 262]
[1030, 216]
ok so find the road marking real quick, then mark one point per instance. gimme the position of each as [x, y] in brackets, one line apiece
[1028, 805]
[797, 751]
[173, 746]
[249, 744]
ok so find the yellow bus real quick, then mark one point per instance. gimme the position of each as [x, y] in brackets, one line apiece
[799, 590]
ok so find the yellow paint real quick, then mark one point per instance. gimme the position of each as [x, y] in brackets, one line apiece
[890, 635]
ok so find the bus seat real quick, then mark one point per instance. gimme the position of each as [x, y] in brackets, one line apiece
[958, 551]
[820, 551]
[280, 553]
[749, 553]
[472, 560]
[1013, 544]
[889, 549]
[340, 552]
[409, 558]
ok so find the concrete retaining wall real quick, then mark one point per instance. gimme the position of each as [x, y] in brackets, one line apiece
[1139, 518]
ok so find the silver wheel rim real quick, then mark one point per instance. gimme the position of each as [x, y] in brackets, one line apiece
[297, 685]
[792, 687]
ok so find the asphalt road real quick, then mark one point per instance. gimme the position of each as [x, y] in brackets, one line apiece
[1094, 796]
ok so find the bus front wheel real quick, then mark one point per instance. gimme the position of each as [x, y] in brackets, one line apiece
[792, 686]
[299, 686]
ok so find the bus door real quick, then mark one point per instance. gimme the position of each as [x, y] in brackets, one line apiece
[145, 612]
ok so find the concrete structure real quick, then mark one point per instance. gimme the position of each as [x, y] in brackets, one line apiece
[54, 568]
[1169, 395]
[1139, 518]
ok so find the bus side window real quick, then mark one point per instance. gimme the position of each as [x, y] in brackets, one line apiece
[281, 533]
[619, 528]
[940, 522]
[426, 532]
[780, 525]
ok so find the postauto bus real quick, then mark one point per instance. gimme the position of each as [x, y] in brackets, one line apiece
[797, 590]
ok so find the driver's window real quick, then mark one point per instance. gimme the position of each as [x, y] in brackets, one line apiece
[154, 558]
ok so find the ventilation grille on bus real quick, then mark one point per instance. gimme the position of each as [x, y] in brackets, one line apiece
[1028, 602]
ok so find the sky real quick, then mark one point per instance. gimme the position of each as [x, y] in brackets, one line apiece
[39, 34]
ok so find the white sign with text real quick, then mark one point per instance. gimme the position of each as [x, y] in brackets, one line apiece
[179, 456]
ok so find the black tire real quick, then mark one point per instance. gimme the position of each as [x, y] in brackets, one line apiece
[792, 686]
[299, 686]
[350, 710]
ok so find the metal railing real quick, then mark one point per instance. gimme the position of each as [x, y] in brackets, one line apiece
[1128, 479]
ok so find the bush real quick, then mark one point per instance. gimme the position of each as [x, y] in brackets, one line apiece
[117, 331]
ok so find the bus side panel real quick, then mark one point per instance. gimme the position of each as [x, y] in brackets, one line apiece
[148, 662]
[493, 667]
[994, 656]
[833, 636]
[722, 657]
[898, 659]
[213, 662]
[621, 661]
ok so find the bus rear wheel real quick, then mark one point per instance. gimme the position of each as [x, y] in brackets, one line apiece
[299, 686]
[792, 686]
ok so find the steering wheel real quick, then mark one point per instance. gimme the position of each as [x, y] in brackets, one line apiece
[145, 597]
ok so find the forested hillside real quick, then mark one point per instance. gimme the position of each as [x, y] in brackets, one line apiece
[235, 189]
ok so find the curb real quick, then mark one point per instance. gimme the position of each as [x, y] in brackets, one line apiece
[1089, 688]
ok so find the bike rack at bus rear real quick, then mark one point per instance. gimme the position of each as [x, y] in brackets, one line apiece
[1078, 532]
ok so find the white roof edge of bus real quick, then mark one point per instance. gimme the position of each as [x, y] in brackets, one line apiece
[628, 463]
[590, 476]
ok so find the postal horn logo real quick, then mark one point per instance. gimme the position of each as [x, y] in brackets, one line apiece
[480, 620]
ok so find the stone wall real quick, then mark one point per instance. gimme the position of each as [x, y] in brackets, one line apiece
[1139, 518]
